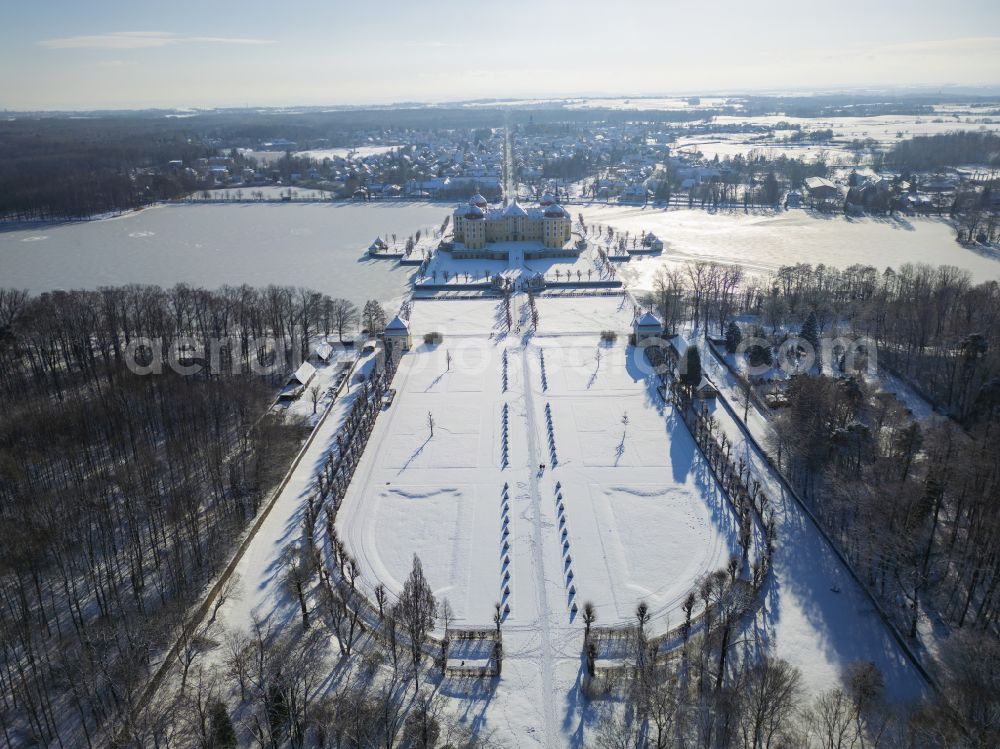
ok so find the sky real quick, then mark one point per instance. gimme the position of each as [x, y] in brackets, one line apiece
[104, 54]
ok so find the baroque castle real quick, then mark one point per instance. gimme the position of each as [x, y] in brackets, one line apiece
[476, 223]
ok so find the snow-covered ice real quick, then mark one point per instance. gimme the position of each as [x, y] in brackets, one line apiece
[761, 241]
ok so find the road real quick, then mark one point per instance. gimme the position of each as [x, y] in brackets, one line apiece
[509, 185]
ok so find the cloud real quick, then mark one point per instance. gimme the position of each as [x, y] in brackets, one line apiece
[917, 52]
[433, 44]
[139, 40]
[944, 46]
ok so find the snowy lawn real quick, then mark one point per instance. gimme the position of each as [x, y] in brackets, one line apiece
[584, 314]
[644, 516]
[434, 494]
[612, 520]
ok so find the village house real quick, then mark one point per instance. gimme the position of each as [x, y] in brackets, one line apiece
[322, 354]
[821, 189]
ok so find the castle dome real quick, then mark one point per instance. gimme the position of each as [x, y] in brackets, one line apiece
[474, 212]
[554, 210]
[514, 209]
[547, 199]
[477, 200]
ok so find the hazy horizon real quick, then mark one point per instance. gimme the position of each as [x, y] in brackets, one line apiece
[115, 55]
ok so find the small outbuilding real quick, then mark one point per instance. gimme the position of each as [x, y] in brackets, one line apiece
[397, 332]
[322, 354]
[298, 382]
[706, 390]
[646, 326]
[652, 242]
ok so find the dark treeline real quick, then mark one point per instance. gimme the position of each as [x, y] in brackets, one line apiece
[66, 168]
[848, 105]
[121, 495]
[756, 179]
[932, 325]
[925, 152]
[753, 700]
[929, 324]
[575, 167]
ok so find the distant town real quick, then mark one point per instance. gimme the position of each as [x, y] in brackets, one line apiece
[912, 156]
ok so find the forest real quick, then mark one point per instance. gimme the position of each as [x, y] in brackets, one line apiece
[121, 495]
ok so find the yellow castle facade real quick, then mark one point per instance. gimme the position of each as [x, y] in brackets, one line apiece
[475, 224]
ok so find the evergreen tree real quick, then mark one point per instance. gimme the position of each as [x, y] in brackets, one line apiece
[373, 317]
[733, 337]
[772, 189]
[221, 734]
[691, 376]
[760, 355]
[810, 331]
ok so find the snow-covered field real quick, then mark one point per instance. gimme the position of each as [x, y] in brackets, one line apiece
[358, 152]
[883, 128]
[730, 144]
[641, 514]
[318, 154]
[764, 240]
[643, 519]
[667, 103]
[886, 130]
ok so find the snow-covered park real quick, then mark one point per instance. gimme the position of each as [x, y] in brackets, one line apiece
[642, 519]
[541, 468]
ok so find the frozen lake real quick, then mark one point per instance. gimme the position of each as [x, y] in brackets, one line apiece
[320, 246]
[763, 241]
